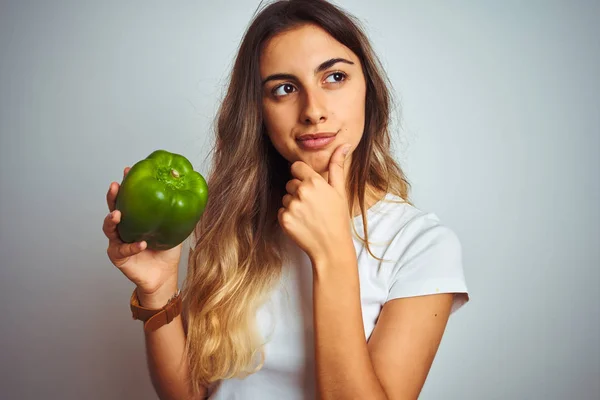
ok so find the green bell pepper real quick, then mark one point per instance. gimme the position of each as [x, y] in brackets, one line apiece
[161, 199]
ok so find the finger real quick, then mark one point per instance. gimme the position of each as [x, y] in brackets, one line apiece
[287, 199]
[119, 252]
[292, 186]
[110, 226]
[336, 168]
[111, 196]
[131, 249]
[113, 189]
[302, 171]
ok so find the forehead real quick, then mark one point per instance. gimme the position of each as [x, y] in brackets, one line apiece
[301, 48]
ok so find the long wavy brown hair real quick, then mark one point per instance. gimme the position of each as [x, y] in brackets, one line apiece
[236, 259]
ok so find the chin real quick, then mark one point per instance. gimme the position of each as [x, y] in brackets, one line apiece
[318, 162]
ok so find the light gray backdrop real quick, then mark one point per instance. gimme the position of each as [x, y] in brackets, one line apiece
[499, 135]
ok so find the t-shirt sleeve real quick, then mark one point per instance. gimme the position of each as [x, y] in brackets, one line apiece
[430, 262]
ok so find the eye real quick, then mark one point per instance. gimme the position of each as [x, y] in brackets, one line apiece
[287, 89]
[337, 76]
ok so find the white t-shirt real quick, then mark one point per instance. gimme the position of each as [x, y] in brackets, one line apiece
[422, 257]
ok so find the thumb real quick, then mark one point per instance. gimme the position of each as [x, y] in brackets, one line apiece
[337, 166]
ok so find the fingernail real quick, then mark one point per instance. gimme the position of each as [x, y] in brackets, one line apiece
[346, 150]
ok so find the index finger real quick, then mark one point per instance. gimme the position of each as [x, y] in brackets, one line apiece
[111, 195]
[301, 170]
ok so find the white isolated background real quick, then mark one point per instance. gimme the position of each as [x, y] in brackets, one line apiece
[498, 130]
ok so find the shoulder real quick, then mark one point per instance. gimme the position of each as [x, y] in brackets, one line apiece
[400, 223]
[424, 255]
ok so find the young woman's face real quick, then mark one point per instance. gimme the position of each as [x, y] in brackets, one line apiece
[312, 84]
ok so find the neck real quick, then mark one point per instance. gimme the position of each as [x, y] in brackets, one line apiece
[371, 197]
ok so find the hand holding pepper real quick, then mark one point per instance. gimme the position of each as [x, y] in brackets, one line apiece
[151, 270]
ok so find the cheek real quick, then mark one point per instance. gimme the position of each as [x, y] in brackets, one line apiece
[276, 120]
[268, 118]
[278, 130]
[352, 112]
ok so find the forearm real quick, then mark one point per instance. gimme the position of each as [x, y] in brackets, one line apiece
[343, 364]
[168, 367]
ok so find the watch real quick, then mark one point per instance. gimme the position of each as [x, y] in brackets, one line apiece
[155, 318]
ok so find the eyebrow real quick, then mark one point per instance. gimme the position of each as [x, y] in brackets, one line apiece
[320, 68]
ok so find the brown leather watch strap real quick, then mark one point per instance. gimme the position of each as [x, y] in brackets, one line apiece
[155, 318]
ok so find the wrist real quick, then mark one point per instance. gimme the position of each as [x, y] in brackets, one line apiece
[341, 249]
[335, 265]
[159, 297]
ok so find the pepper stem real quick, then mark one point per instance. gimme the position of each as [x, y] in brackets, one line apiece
[174, 173]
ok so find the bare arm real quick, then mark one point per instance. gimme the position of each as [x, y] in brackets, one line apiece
[164, 351]
[396, 360]
[155, 275]
[343, 365]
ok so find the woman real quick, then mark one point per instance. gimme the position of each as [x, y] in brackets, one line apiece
[285, 296]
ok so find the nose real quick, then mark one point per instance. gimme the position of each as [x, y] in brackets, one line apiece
[314, 110]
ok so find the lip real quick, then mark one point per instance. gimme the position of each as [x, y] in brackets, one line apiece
[316, 144]
[317, 135]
